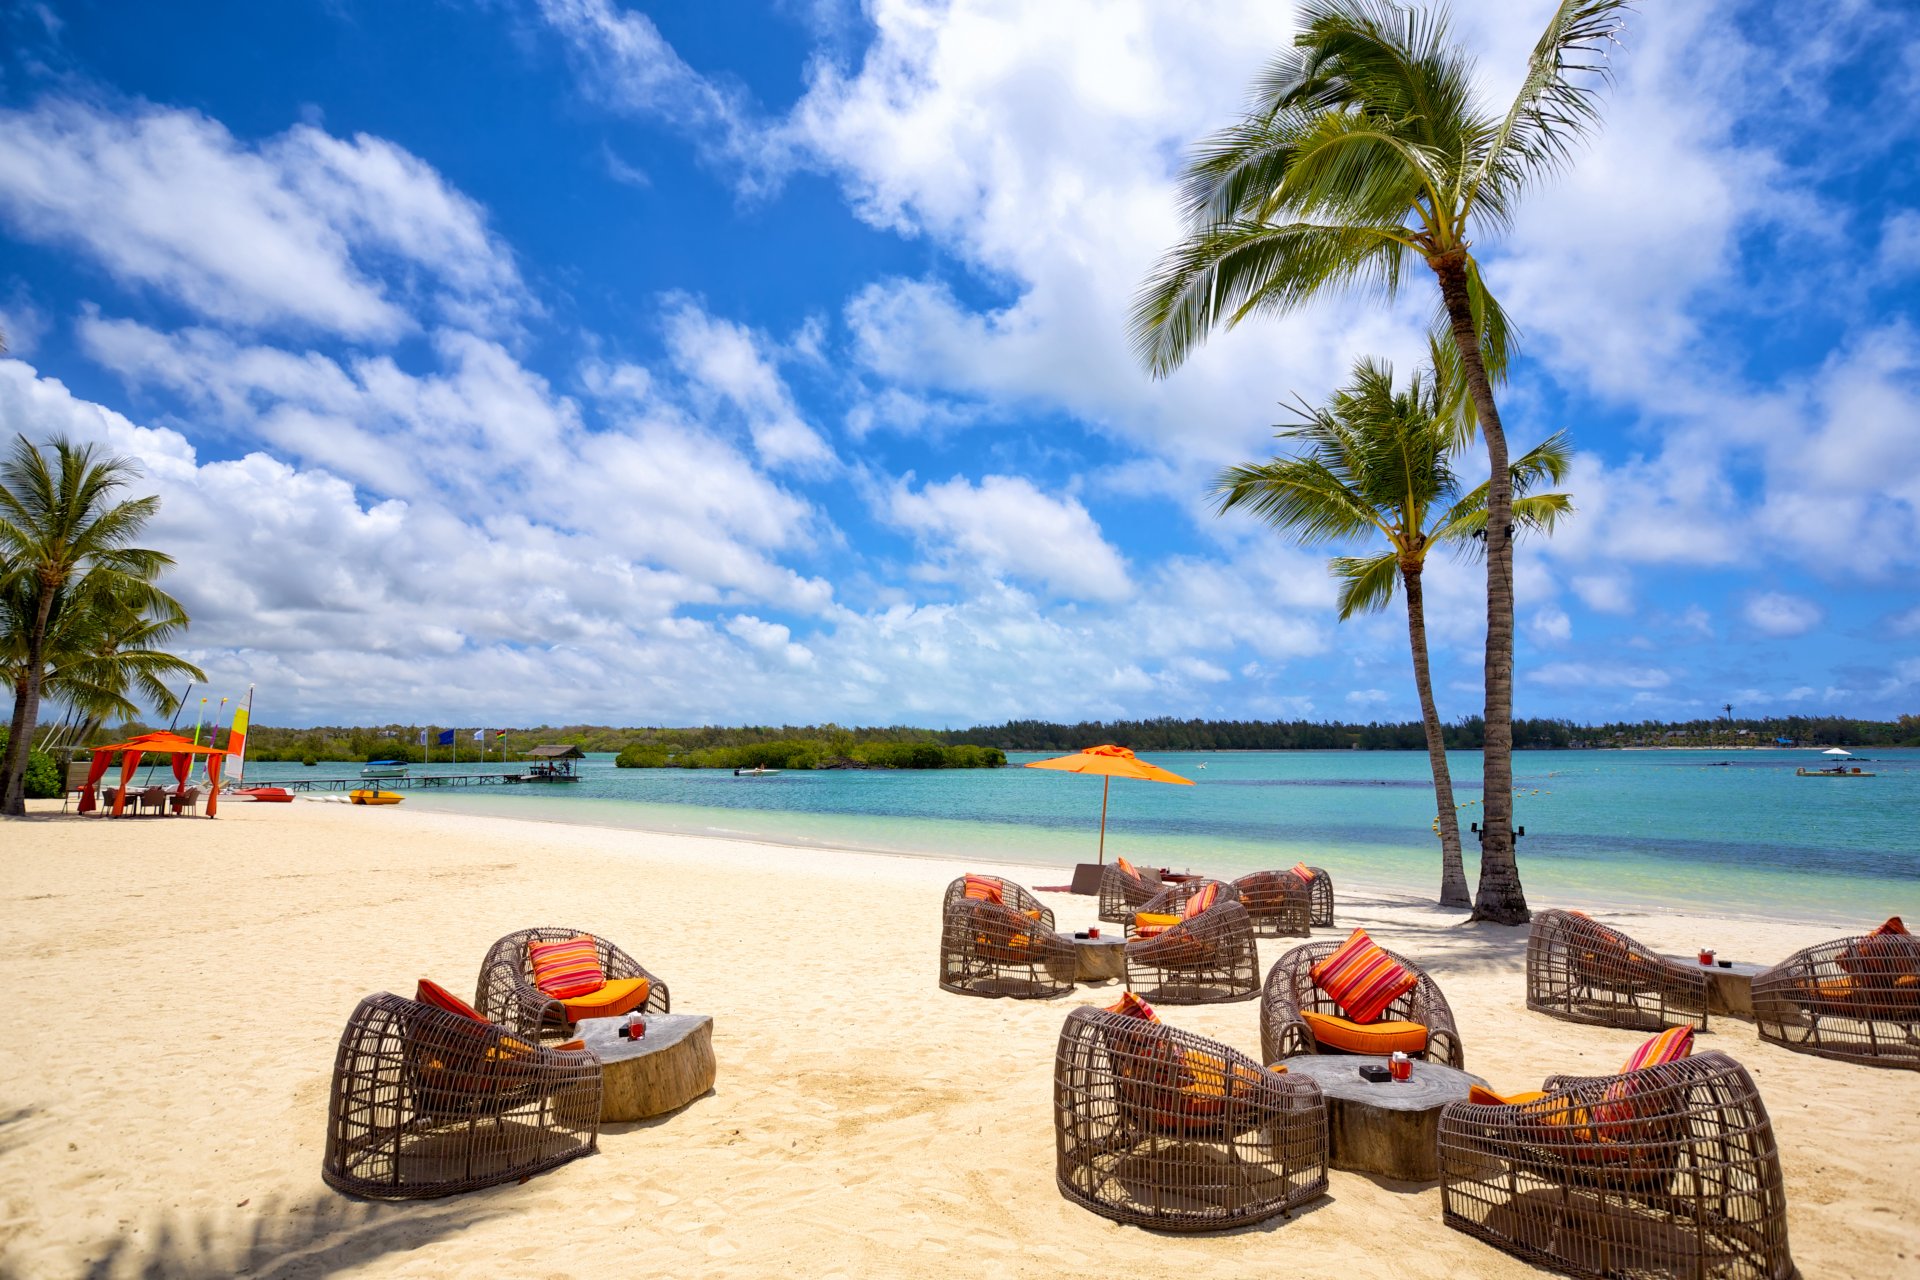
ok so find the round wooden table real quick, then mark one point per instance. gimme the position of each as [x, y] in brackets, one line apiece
[1097, 959]
[1392, 1128]
[668, 1067]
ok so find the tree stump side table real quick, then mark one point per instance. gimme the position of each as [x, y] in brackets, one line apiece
[668, 1067]
[1391, 1128]
[1729, 990]
[1096, 959]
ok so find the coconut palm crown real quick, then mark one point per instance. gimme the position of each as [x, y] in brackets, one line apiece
[1366, 152]
[1378, 462]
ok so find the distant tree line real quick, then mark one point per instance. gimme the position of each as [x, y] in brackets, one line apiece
[815, 753]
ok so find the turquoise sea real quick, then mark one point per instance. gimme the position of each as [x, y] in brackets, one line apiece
[1704, 830]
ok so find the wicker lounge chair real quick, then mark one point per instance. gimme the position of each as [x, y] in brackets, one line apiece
[1682, 1181]
[1123, 893]
[999, 949]
[1833, 1001]
[183, 802]
[1322, 888]
[1278, 902]
[1583, 971]
[429, 1103]
[506, 993]
[1173, 899]
[1290, 993]
[1209, 959]
[1160, 1128]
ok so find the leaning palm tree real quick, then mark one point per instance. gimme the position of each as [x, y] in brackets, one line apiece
[1367, 151]
[1379, 462]
[64, 535]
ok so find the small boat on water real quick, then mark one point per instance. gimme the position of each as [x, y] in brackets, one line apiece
[756, 772]
[374, 797]
[385, 769]
[266, 795]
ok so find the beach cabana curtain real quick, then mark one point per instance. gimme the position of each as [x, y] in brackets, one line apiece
[181, 750]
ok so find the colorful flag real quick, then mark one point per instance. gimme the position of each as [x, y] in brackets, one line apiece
[446, 737]
[479, 735]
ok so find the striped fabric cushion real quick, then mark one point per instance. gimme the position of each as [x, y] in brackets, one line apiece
[984, 889]
[431, 992]
[1361, 978]
[1208, 895]
[1888, 951]
[1126, 868]
[1622, 1101]
[1151, 924]
[1132, 1006]
[1302, 870]
[567, 968]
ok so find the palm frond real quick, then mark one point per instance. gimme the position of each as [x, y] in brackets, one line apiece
[1366, 582]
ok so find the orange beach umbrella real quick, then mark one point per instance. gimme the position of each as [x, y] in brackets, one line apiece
[182, 750]
[1110, 762]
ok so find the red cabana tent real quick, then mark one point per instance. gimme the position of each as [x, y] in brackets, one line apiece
[182, 750]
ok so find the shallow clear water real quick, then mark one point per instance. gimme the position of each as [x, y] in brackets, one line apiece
[1656, 827]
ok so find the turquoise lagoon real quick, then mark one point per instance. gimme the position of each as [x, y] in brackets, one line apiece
[1700, 830]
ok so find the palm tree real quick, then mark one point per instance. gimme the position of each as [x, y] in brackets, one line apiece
[64, 540]
[1365, 152]
[1380, 462]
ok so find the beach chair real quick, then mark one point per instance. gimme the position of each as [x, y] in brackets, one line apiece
[1321, 891]
[1671, 1170]
[997, 939]
[75, 785]
[154, 799]
[1298, 1017]
[1209, 958]
[1124, 889]
[1856, 999]
[187, 801]
[1178, 900]
[506, 992]
[1160, 1128]
[1279, 903]
[1581, 970]
[426, 1102]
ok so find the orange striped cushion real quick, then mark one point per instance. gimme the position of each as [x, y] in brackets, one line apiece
[1361, 978]
[984, 889]
[1132, 1006]
[1200, 901]
[1302, 870]
[567, 968]
[1151, 924]
[431, 992]
[1126, 868]
[1621, 1102]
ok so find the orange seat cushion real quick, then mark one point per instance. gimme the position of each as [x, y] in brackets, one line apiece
[1150, 924]
[568, 968]
[622, 995]
[1366, 1037]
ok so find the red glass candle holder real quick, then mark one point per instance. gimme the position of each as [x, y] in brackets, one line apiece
[1400, 1066]
[1706, 955]
[1093, 932]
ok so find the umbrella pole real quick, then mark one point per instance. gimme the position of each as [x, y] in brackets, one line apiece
[1106, 785]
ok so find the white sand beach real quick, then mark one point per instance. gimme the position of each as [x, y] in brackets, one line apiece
[183, 985]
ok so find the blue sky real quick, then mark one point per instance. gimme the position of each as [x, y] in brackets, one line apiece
[532, 360]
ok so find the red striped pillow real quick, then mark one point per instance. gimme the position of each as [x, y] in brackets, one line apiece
[431, 992]
[1132, 1006]
[1208, 895]
[1621, 1102]
[1302, 870]
[1361, 978]
[984, 889]
[567, 968]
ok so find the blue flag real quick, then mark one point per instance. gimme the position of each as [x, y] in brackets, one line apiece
[446, 737]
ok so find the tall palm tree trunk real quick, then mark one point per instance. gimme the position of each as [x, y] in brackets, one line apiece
[1500, 898]
[26, 708]
[1453, 872]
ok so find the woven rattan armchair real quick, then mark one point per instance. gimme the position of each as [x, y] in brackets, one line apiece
[1209, 959]
[1123, 893]
[1583, 971]
[1831, 1000]
[1290, 992]
[1278, 902]
[1321, 888]
[1173, 899]
[1160, 1128]
[429, 1103]
[506, 993]
[1668, 1171]
[998, 948]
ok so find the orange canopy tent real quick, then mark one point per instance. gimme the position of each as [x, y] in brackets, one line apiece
[1110, 762]
[182, 750]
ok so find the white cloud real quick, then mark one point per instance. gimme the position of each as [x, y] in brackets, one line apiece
[1604, 592]
[726, 362]
[1776, 613]
[1550, 624]
[1368, 698]
[1600, 675]
[1006, 526]
[300, 229]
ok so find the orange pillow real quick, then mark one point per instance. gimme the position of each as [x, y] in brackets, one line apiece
[1126, 868]
[1208, 895]
[1302, 870]
[1361, 978]
[567, 968]
[1886, 952]
[1621, 1103]
[431, 992]
[1151, 924]
[984, 889]
[1130, 1005]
